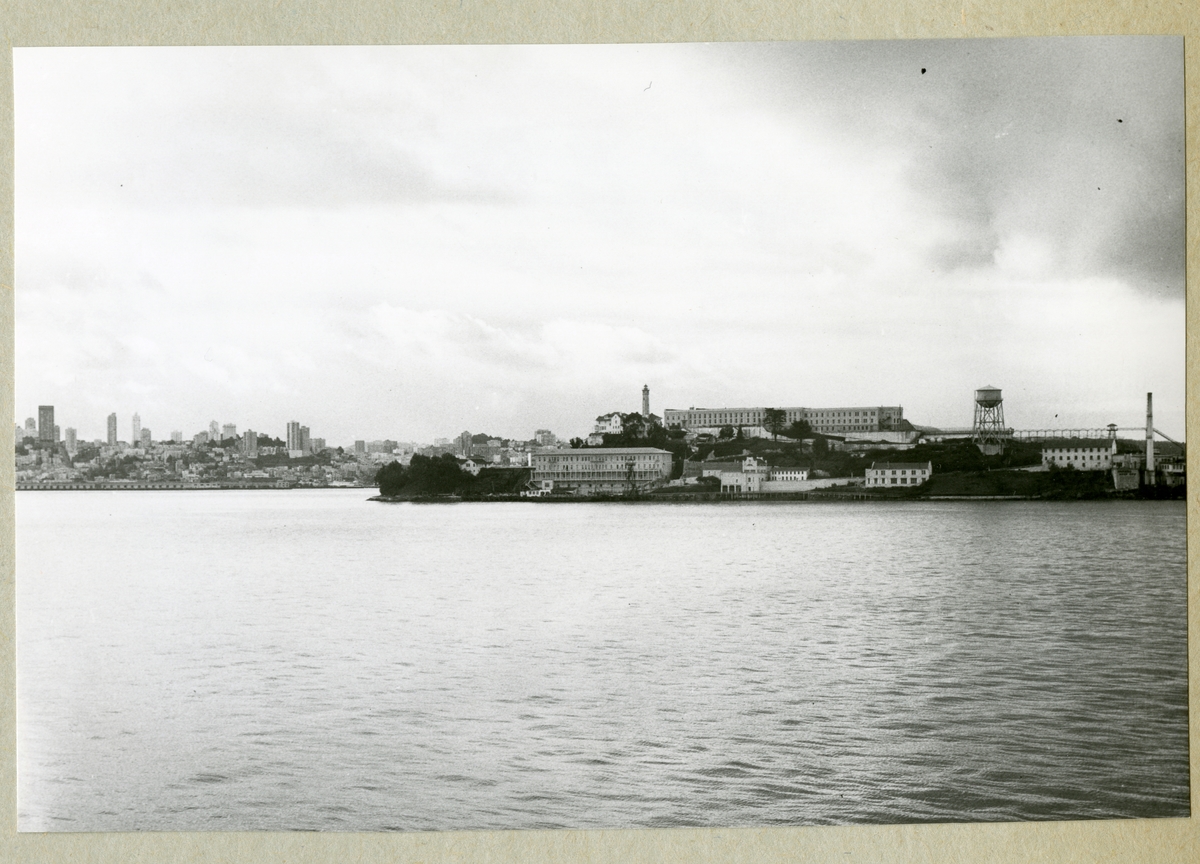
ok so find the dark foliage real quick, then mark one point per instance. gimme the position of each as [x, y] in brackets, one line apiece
[774, 421]
[441, 475]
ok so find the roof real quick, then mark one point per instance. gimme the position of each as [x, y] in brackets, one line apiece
[607, 451]
[1061, 443]
[928, 466]
[721, 466]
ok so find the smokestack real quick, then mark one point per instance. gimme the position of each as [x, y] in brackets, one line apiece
[1149, 439]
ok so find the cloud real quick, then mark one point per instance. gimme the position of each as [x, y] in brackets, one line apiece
[403, 241]
[219, 127]
[1077, 140]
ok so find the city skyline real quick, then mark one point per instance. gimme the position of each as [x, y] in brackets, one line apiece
[230, 430]
[407, 242]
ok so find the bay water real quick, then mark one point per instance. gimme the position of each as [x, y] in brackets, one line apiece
[308, 659]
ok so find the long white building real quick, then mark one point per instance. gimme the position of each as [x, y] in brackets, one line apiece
[1082, 454]
[828, 421]
[600, 470]
[898, 473]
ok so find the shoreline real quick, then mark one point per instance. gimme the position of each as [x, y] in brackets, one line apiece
[169, 487]
[746, 499]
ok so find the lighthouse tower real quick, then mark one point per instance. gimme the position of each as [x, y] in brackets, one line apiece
[646, 401]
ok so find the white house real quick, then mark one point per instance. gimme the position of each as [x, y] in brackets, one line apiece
[609, 424]
[898, 474]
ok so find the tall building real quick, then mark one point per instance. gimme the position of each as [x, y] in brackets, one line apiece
[214, 431]
[293, 435]
[30, 428]
[200, 439]
[177, 436]
[318, 444]
[305, 441]
[464, 444]
[71, 446]
[250, 444]
[136, 438]
[360, 448]
[144, 440]
[229, 430]
[112, 430]
[57, 434]
[46, 423]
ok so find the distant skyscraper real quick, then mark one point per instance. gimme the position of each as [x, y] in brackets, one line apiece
[293, 435]
[464, 444]
[177, 436]
[30, 428]
[57, 434]
[45, 425]
[112, 430]
[305, 441]
[136, 438]
[229, 430]
[71, 448]
[144, 437]
[318, 444]
[360, 447]
[200, 439]
[214, 431]
[250, 444]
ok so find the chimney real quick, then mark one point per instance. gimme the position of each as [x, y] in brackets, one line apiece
[1149, 439]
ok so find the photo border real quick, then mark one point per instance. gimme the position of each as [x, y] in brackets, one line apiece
[362, 22]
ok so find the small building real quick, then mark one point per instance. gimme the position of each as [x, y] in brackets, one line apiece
[609, 424]
[753, 476]
[788, 474]
[600, 470]
[898, 474]
[1082, 454]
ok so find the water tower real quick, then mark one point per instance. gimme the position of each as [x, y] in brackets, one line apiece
[990, 432]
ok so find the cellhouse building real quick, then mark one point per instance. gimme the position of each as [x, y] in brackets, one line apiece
[828, 421]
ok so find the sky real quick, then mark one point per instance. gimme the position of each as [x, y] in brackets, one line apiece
[409, 242]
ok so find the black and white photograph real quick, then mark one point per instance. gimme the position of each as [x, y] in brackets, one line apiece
[600, 436]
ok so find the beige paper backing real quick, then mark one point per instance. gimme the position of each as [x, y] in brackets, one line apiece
[259, 22]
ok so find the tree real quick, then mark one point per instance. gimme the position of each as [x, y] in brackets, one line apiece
[425, 475]
[799, 429]
[774, 420]
[820, 446]
[740, 435]
[391, 478]
[633, 425]
[725, 433]
[576, 443]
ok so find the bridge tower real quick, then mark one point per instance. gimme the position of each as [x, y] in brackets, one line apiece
[990, 432]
